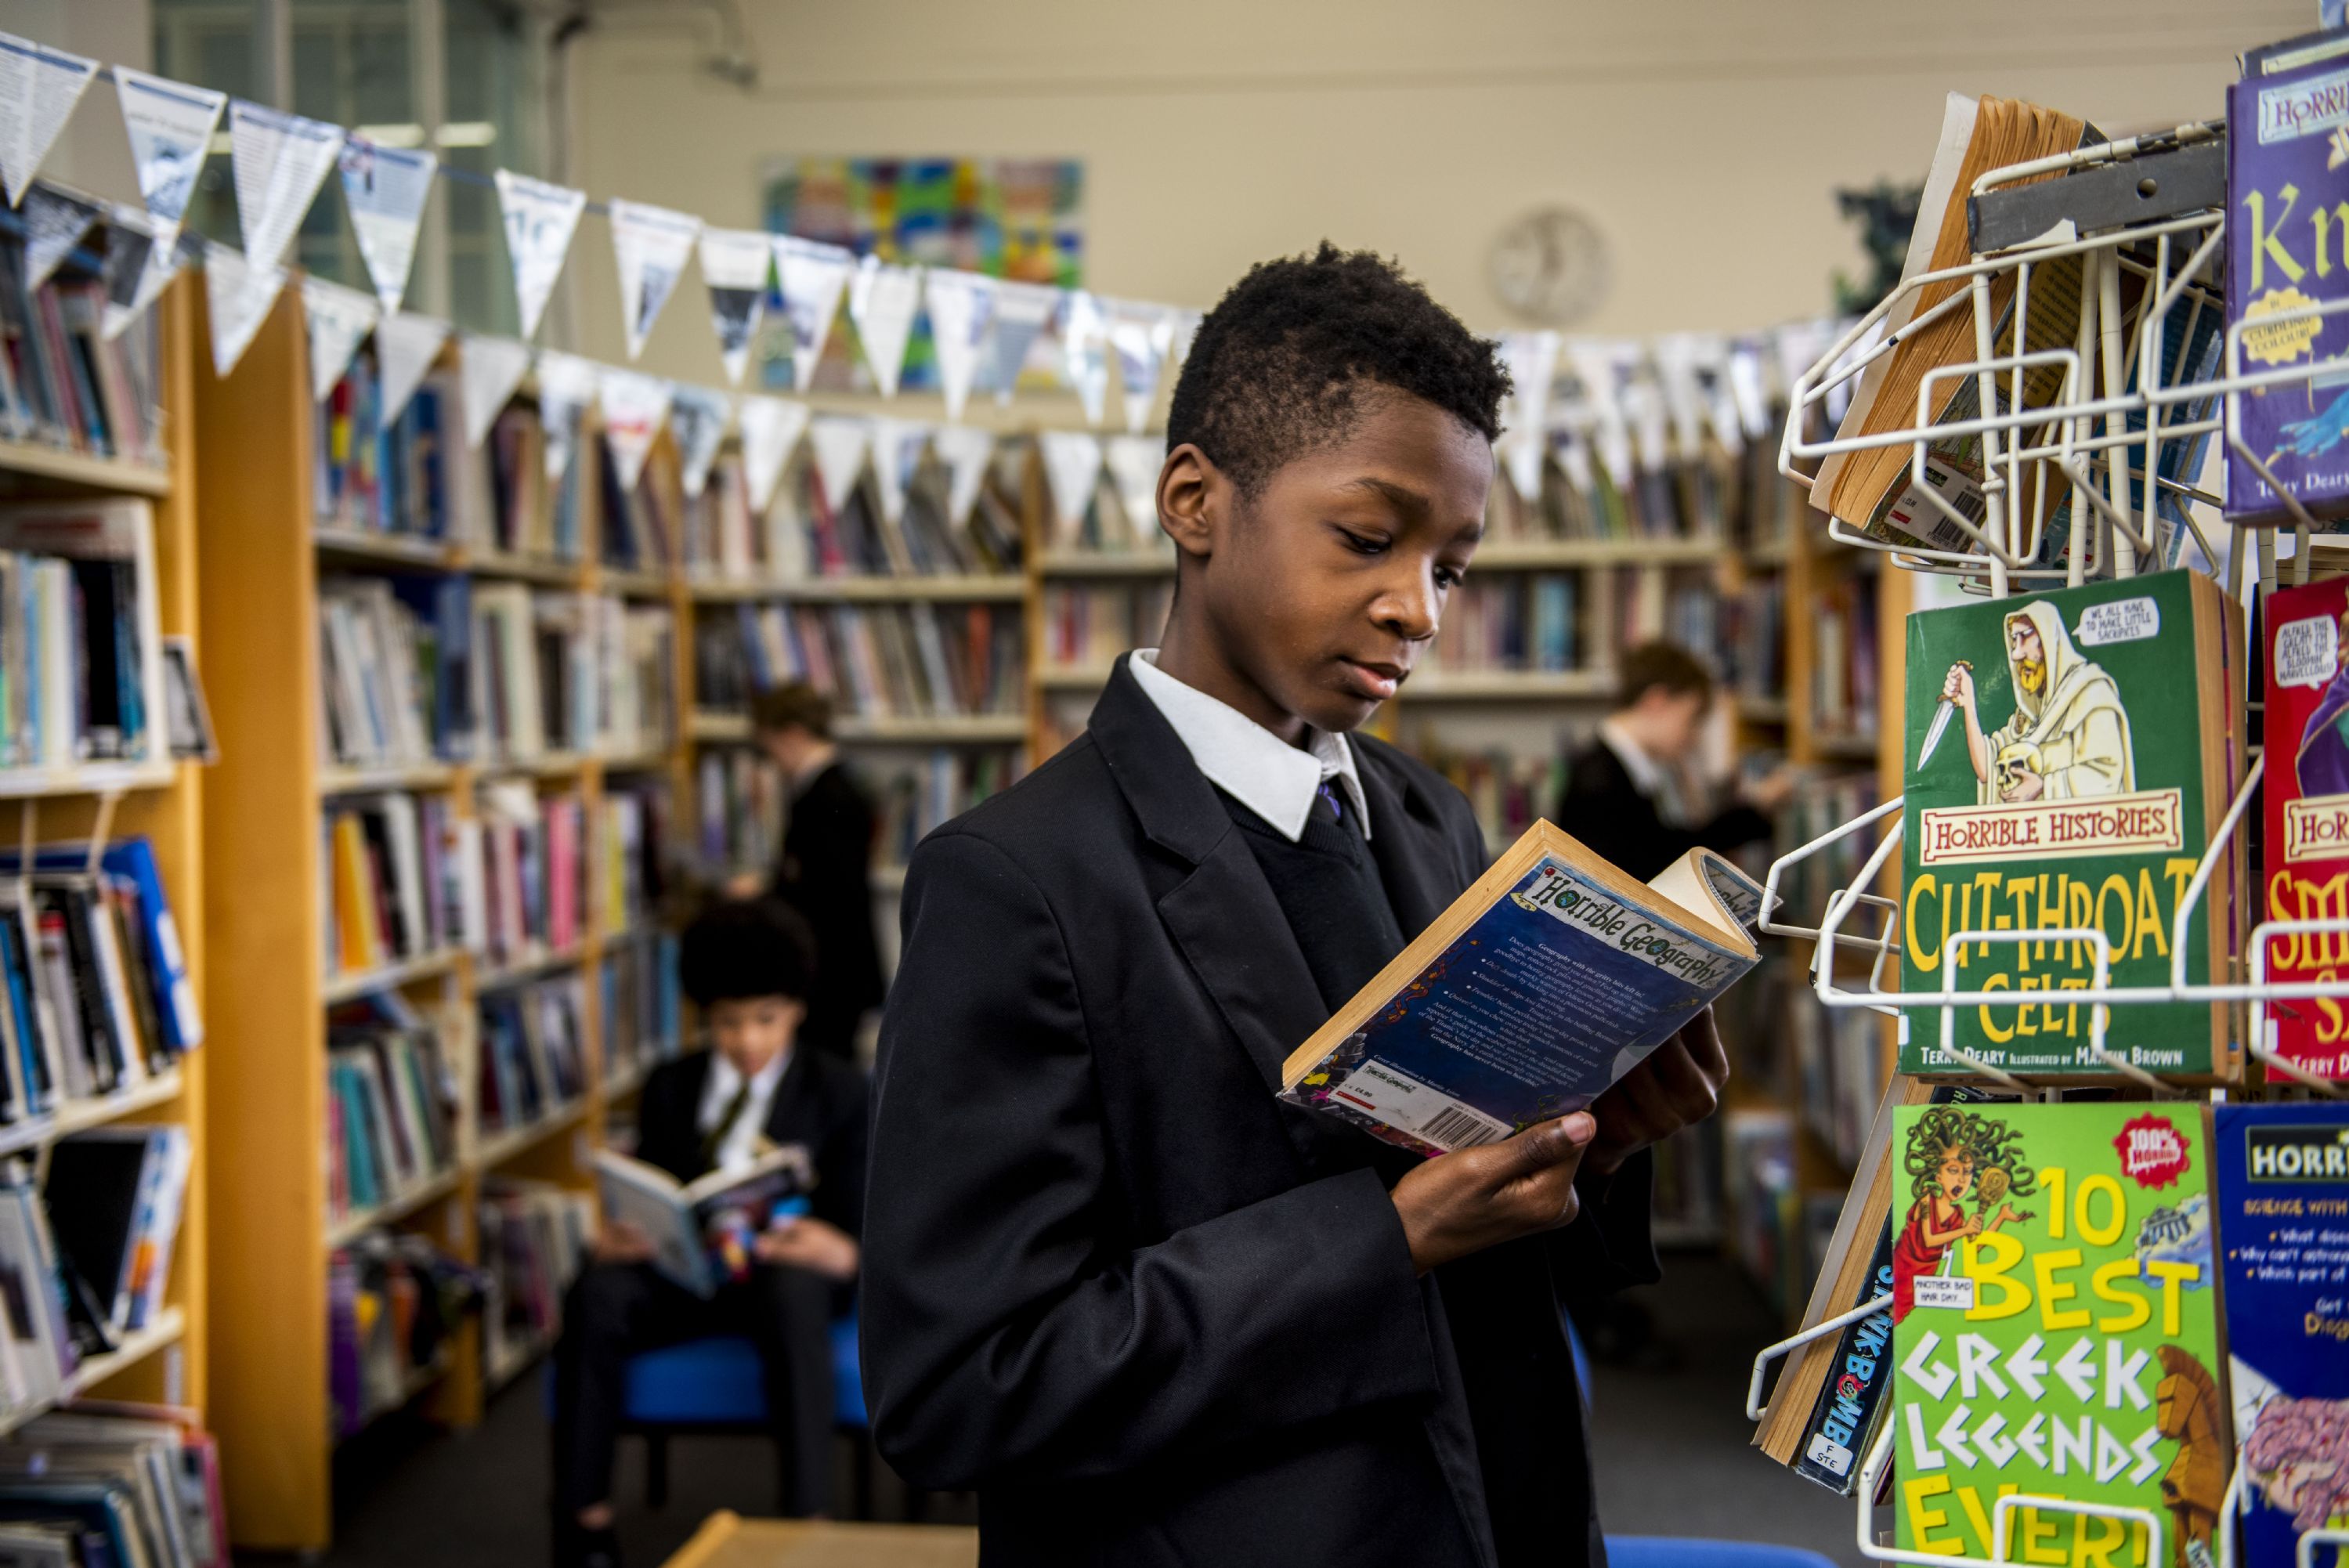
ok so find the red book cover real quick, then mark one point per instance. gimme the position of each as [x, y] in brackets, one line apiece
[2304, 860]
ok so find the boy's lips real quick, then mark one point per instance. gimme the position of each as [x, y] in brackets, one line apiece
[1374, 678]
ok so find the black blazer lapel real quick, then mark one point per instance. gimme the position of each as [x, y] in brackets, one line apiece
[790, 1113]
[1417, 862]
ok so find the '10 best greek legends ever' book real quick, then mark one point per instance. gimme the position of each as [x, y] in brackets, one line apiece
[1543, 984]
[2069, 754]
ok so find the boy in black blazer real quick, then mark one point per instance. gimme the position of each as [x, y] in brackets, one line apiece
[1152, 1313]
[746, 966]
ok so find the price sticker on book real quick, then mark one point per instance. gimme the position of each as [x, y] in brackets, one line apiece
[1954, 1291]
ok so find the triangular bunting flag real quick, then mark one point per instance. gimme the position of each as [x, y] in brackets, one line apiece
[650, 245]
[1186, 327]
[962, 308]
[136, 268]
[488, 370]
[896, 454]
[771, 427]
[339, 319]
[1141, 334]
[881, 301]
[1134, 464]
[566, 384]
[1072, 466]
[53, 225]
[1531, 358]
[811, 277]
[239, 296]
[1084, 352]
[406, 345]
[735, 263]
[634, 404]
[1021, 312]
[170, 127]
[280, 159]
[39, 88]
[839, 445]
[540, 220]
[384, 189]
[1749, 386]
[966, 453]
[697, 418]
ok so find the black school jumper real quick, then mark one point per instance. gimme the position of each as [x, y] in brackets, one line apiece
[1152, 1313]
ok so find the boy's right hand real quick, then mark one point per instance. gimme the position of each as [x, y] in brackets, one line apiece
[1471, 1199]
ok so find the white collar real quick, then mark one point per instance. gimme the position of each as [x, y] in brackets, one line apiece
[726, 1078]
[1647, 774]
[1263, 772]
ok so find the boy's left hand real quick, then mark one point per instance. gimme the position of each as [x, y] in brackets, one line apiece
[809, 1243]
[1678, 1083]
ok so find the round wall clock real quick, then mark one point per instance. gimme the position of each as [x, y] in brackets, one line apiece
[1550, 266]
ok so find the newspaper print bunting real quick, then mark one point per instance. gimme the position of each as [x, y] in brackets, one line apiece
[339, 320]
[170, 127]
[881, 301]
[280, 160]
[839, 446]
[734, 264]
[488, 371]
[1073, 467]
[770, 427]
[384, 190]
[406, 345]
[966, 453]
[697, 418]
[1531, 358]
[811, 277]
[635, 406]
[1022, 311]
[55, 224]
[566, 384]
[1133, 463]
[540, 219]
[39, 87]
[1084, 352]
[650, 245]
[897, 447]
[1141, 334]
[240, 295]
[962, 308]
[137, 269]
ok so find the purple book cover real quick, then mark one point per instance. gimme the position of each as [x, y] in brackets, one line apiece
[2287, 248]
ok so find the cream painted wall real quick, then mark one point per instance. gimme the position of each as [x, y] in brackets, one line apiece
[1704, 135]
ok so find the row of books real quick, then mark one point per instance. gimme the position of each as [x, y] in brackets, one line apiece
[946, 782]
[535, 1237]
[1838, 1062]
[1509, 621]
[74, 630]
[1510, 790]
[1087, 625]
[918, 660]
[533, 865]
[634, 853]
[394, 1304]
[391, 1105]
[1844, 687]
[533, 1058]
[739, 802]
[1754, 639]
[63, 381]
[113, 1484]
[642, 1004]
[640, 523]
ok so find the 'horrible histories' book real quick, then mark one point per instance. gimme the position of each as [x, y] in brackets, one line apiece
[2283, 1239]
[2055, 1332]
[2069, 754]
[2305, 846]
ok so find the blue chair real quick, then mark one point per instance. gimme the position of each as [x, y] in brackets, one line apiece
[1672, 1552]
[713, 1386]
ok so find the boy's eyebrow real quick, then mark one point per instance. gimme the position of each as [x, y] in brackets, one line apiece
[1404, 497]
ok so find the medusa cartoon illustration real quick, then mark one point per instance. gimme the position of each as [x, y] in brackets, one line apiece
[2068, 736]
[1953, 1155]
[2297, 1457]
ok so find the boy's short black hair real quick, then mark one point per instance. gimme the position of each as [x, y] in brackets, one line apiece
[1665, 665]
[743, 948]
[1276, 368]
[794, 704]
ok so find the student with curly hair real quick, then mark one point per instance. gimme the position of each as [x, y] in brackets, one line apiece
[1149, 1311]
[1951, 1153]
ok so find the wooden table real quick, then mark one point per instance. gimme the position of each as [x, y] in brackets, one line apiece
[727, 1540]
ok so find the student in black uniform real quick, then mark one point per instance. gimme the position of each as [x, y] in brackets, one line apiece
[746, 966]
[826, 870]
[1151, 1313]
[1630, 789]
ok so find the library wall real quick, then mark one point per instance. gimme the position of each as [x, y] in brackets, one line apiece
[1226, 132]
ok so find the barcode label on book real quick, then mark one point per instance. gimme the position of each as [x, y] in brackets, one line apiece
[1404, 1103]
[1915, 515]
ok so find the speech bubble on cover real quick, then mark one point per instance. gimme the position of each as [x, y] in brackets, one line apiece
[2120, 621]
[2307, 652]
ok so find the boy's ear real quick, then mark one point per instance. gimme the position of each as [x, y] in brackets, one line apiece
[1193, 499]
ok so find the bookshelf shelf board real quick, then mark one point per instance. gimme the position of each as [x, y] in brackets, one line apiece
[520, 1353]
[411, 1388]
[627, 1080]
[512, 975]
[1541, 555]
[166, 1330]
[57, 465]
[345, 1230]
[994, 587]
[1073, 677]
[360, 982]
[501, 1147]
[1507, 685]
[711, 725]
[1762, 709]
[1768, 552]
[525, 568]
[637, 762]
[363, 546]
[634, 584]
[940, 730]
[366, 778]
[1845, 748]
[97, 1110]
[85, 778]
[552, 765]
[1102, 563]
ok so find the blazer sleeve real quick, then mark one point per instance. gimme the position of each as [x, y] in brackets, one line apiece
[841, 1164]
[1009, 1334]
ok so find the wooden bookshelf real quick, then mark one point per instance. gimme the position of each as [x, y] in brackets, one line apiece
[161, 801]
[262, 554]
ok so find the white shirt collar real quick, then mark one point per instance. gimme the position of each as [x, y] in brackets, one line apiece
[1647, 774]
[739, 1145]
[1263, 772]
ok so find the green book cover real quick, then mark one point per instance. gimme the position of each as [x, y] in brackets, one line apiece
[2055, 1331]
[2068, 755]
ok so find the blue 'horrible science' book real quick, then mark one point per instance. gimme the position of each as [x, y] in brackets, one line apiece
[2283, 1225]
[1541, 985]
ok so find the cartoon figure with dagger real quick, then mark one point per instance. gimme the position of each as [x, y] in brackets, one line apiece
[2069, 735]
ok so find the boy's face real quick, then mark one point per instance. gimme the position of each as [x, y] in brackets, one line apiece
[1314, 600]
[752, 1031]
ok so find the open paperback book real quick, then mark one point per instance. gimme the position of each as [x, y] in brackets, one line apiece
[678, 1217]
[1543, 984]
